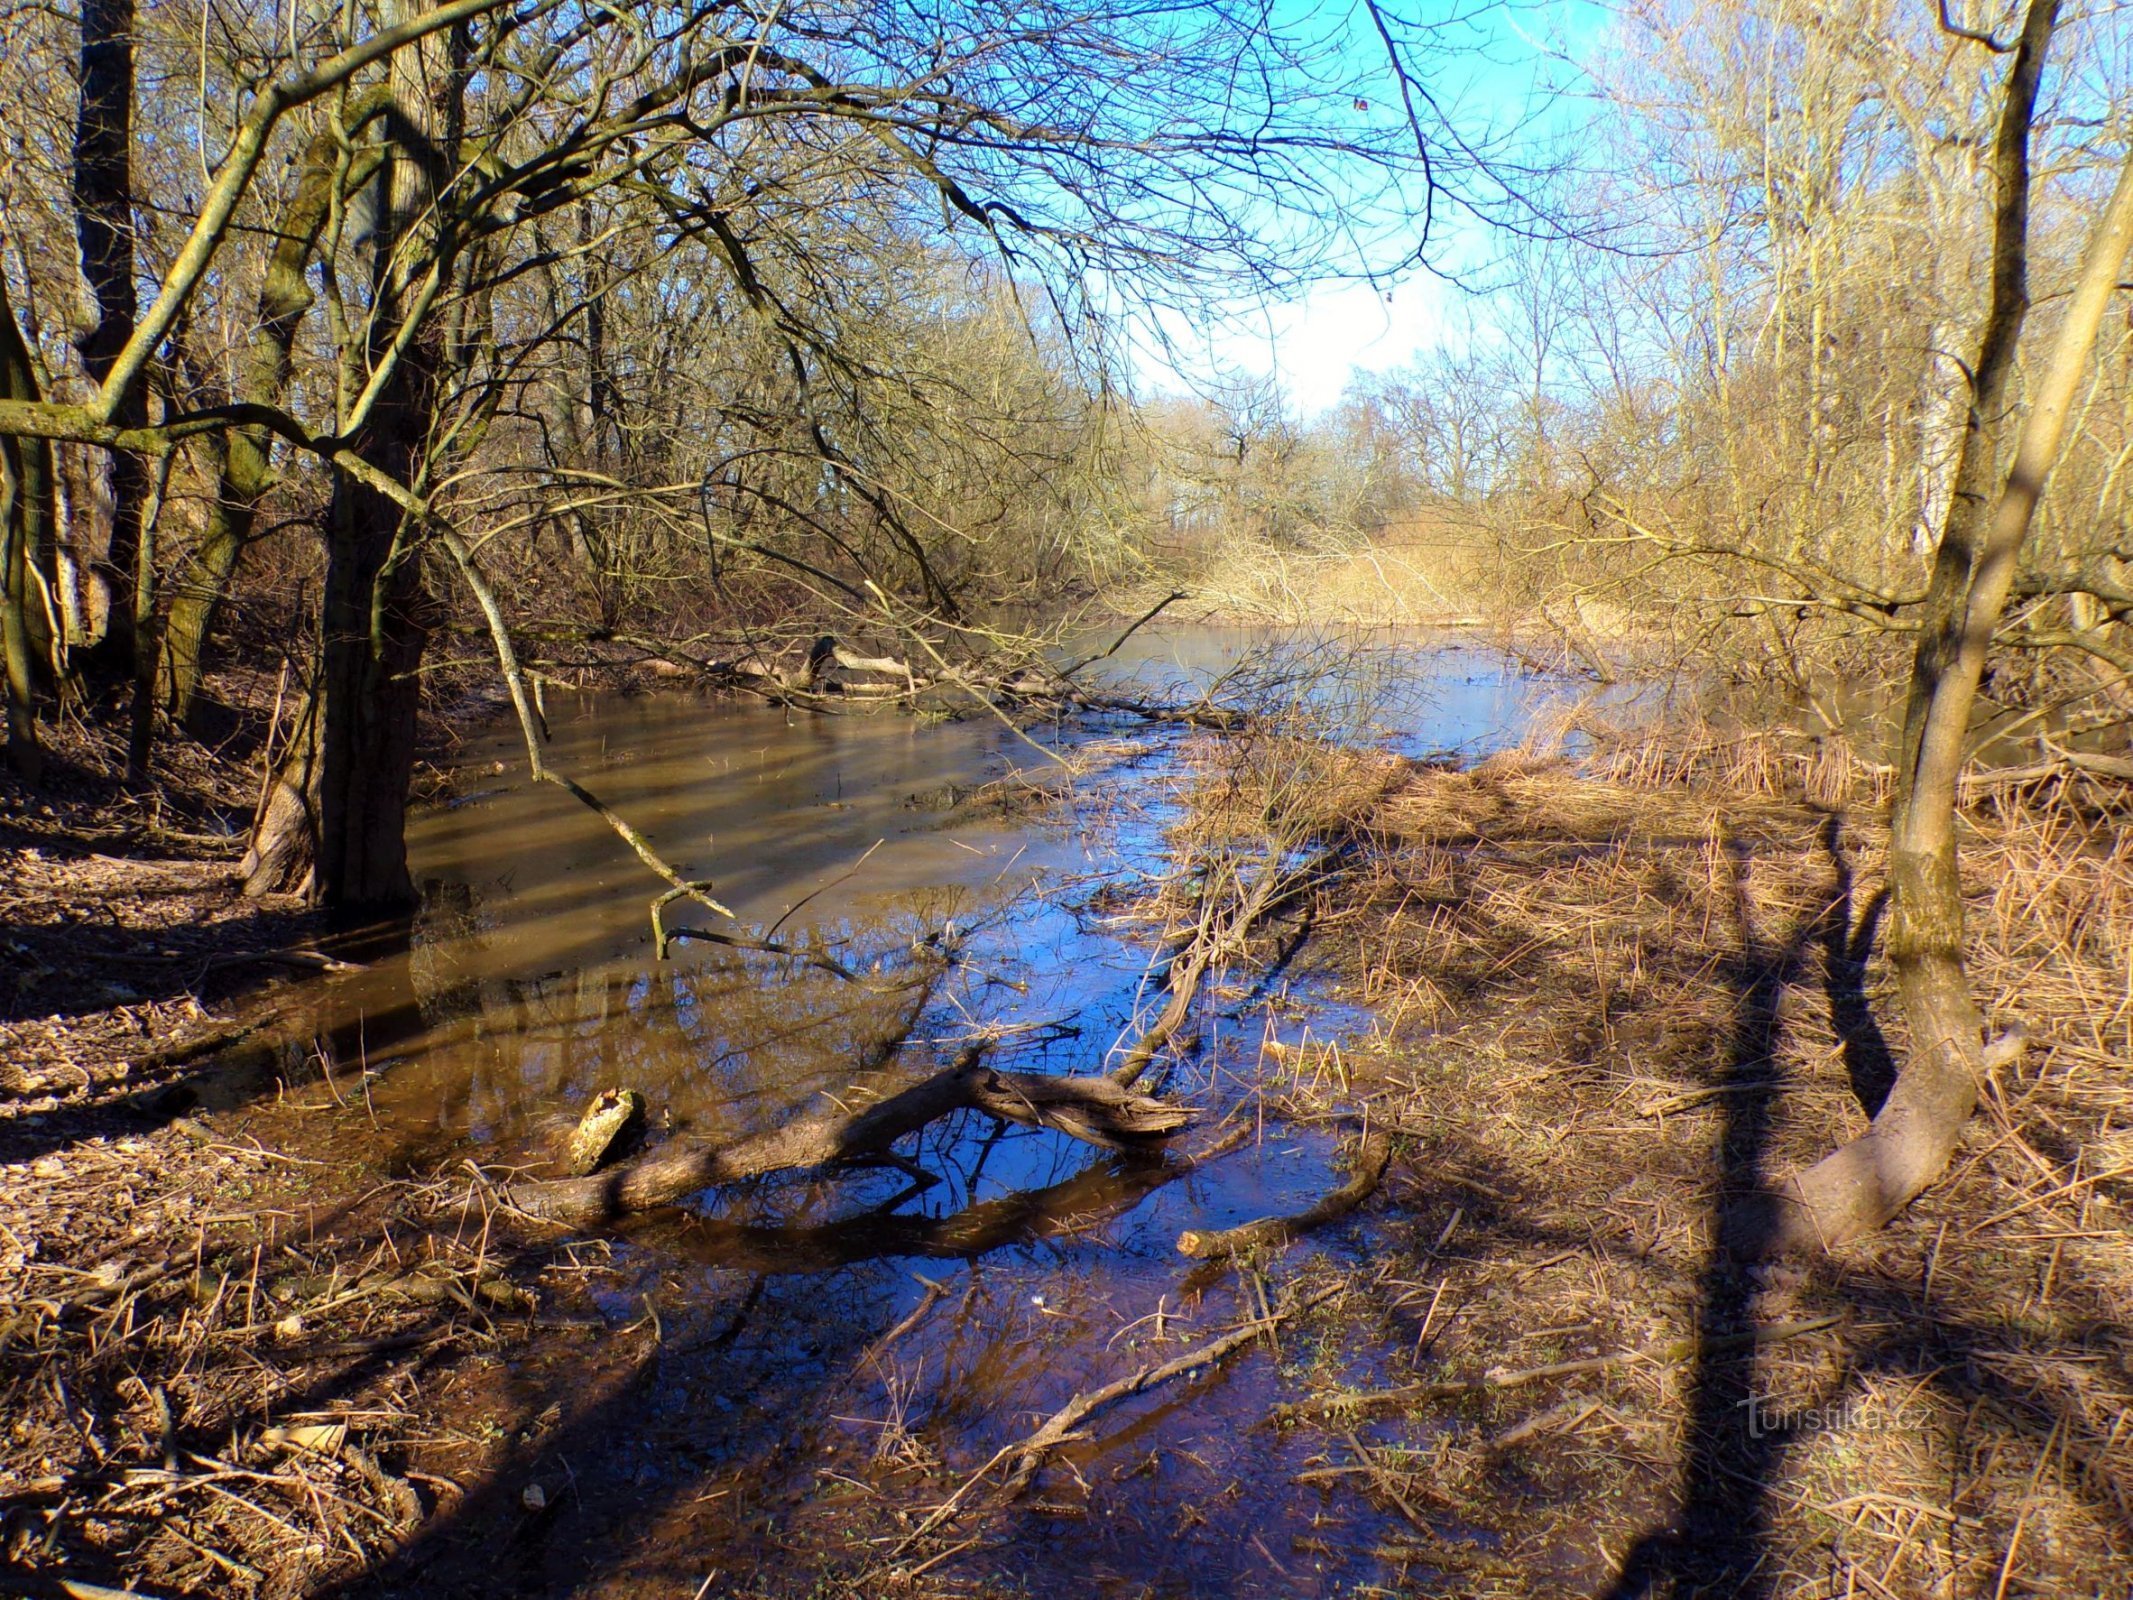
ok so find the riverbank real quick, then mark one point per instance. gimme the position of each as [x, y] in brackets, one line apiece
[266, 1345]
[1626, 1005]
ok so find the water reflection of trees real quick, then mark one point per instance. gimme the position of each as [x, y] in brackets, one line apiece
[722, 1045]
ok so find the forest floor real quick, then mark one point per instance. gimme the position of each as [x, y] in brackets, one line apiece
[240, 1354]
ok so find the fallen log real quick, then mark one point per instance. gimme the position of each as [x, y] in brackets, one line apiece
[1092, 1109]
[1268, 1233]
[827, 655]
[1100, 1191]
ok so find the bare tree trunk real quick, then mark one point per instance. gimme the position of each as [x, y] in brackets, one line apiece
[24, 755]
[284, 844]
[1940, 406]
[140, 739]
[1859, 1187]
[378, 610]
[376, 625]
[103, 226]
[246, 467]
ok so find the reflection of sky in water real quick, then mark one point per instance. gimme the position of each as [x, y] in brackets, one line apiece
[1416, 696]
[530, 985]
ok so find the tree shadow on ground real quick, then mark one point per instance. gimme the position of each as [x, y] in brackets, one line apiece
[1739, 1436]
[1722, 1529]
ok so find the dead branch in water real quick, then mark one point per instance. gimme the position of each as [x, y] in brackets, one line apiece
[1215, 939]
[1092, 1109]
[1272, 1232]
[1201, 713]
[1058, 1429]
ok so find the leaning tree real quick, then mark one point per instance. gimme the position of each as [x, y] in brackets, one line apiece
[2009, 448]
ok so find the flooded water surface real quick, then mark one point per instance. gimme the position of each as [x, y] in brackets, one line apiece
[529, 983]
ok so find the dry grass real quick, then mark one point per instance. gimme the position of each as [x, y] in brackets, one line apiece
[262, 1414]
[1428, 578]
[1607, 1005]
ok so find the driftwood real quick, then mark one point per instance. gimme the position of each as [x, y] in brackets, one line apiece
[1269, 1233]
[615, 1117]
[1092, 1109]
[828, 655]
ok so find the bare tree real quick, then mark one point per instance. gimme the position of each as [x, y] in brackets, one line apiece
[1860, 1186]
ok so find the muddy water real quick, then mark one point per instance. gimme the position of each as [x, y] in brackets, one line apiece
[528, 984]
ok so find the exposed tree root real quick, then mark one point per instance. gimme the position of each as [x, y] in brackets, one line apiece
[1268, 1233]
[1092, 1109]
[1859, 1186]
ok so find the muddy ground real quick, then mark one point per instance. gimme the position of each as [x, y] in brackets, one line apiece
[247, 1347]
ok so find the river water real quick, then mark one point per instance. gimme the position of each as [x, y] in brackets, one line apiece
[530, 983]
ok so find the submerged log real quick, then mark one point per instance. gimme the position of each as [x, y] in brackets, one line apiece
[1270, 1233]
[1092, 1109]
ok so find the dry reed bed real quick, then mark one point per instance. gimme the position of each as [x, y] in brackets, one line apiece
[1608, 1006]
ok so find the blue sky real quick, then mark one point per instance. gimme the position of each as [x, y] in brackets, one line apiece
[1505, 55]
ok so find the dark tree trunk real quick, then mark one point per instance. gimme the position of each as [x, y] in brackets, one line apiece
[103, 227]
[376, 624]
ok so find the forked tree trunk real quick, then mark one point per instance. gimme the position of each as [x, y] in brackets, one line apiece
[1860, 1186]
[246, 466]
[335, 821]
[377, 610]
